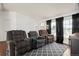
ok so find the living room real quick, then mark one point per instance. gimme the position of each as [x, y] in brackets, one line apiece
[48, 26]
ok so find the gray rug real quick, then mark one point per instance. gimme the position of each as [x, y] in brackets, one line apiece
[53, 49]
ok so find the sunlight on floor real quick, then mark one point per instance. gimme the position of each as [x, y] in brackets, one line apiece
[67, 52]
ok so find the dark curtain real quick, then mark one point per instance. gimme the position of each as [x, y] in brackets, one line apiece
[75, 23]
[59, 30]
[48, 22]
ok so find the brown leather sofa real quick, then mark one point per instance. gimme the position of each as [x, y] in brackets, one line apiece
[18, 42]
[49, 38]
[37, 41]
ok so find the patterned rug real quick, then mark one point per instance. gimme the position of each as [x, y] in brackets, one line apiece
[53, 49]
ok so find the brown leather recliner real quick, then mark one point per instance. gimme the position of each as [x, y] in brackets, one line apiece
[49, 38]
[18, 42]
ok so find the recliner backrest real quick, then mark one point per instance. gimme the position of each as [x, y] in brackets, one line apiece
[33, 34]
[16, 35]
[43, 33]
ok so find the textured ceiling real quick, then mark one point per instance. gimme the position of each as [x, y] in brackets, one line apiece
[41, 10]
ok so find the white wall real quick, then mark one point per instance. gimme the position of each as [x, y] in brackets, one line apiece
[1, 29]
[12, 21]
[28, 24]
[4, 24]
[7, 22]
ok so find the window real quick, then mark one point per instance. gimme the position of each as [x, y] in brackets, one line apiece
[67, 28]
[53, 27]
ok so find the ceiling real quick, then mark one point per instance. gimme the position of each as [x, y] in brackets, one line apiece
[41, 10]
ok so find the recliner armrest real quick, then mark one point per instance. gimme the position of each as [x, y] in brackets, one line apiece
[26, 38]
[41, 37]
[11, 47]
[12, 42]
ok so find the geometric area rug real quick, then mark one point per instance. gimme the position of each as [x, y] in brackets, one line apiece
[53, 49]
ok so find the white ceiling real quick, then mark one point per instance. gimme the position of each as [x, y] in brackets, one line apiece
[41, 10]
